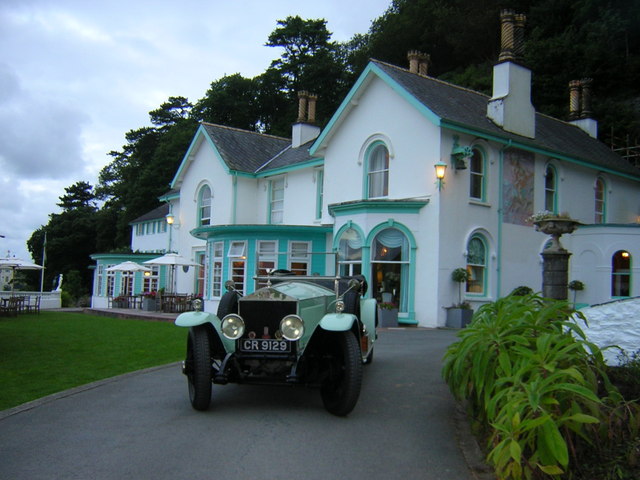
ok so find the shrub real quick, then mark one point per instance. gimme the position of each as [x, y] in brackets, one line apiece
[531, 379]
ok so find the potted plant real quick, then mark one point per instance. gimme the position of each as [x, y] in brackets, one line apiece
[149, 301]
[576, 286]
[387, 314]
[120, 302]
[459, 315]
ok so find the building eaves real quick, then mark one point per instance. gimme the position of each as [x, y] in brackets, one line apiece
[155, 214]
[461, 107]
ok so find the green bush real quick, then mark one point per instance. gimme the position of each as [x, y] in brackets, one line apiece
[531, 380]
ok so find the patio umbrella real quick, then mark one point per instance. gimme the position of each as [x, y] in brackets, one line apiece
[126, 268]
[17, 264]
[173, 260]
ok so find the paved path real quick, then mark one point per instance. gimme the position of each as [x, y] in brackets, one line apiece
[141, 426]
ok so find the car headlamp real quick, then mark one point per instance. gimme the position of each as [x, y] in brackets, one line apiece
[292, 327]
[232, 326]
[339, 306]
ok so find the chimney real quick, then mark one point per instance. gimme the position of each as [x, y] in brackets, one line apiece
[510, 105]
[418, 62]
[305, 130]
[580, 106]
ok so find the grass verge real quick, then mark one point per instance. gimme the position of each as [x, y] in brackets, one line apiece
[47, 353]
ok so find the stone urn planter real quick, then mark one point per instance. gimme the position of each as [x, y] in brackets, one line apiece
[555, 226]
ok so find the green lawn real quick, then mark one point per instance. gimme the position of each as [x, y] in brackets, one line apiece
[47, 353]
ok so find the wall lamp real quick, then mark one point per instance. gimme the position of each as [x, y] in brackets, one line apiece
[459, 154]
[441, 168]
[170, 218]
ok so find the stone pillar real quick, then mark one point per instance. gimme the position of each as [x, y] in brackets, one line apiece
[555, 274]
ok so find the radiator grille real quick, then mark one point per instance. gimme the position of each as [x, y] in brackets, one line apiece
[258, 314]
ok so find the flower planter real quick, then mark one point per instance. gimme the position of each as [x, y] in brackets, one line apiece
[120, 304]
[149, 304]
[387, 317]
[458, 317]
[556, 227]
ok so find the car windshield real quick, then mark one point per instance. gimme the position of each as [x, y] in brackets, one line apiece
[302, 289]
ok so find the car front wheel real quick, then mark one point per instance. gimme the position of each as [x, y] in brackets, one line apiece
[198, 367]
[341, 390]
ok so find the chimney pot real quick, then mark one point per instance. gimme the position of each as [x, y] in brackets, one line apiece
[302, 106]
[507, 35]
[418, 62]
[574, 99]
[585, 111]
[311, 108]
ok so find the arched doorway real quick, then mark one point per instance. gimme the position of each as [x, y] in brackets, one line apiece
[390, 267]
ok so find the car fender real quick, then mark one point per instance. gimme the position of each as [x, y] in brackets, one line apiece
[337, 322]
[368, 312]
[193, 319]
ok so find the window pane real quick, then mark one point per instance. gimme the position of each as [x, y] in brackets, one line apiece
[476, 265]
[378, 172]
[621, 274]
[599, 207]
[550, 190]
[476, 171]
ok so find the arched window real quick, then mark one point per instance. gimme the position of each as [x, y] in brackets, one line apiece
[378, 171]
[477, 265]
[550, 190]
[390, 267]
[204, 206]
[350, 253]
[476, 175]
[621, 274]
[600, 191]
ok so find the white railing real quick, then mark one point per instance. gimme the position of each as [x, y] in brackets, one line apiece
[48, 300]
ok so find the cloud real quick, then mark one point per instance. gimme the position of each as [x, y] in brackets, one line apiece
[39, 138]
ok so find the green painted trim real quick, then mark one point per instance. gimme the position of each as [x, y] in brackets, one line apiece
[167, 197]
[409, 315]
[336, 237]
[607, 225]
[376, 206]
[348, 103]
[319, 174]
[316, 162]
[531, 148]
[211, 231]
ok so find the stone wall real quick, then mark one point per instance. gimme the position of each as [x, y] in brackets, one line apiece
[614, 323]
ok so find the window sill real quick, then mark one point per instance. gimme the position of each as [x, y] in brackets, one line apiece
[479, 203]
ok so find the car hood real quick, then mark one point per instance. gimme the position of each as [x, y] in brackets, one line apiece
[289, 291]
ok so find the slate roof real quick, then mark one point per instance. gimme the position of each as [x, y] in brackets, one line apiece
[161, 212]
[253, 152]
[463, 107]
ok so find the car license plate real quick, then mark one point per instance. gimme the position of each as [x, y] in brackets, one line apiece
[264, 345]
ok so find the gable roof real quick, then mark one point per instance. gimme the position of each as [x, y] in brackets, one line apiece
[464, 110]
[246, 152]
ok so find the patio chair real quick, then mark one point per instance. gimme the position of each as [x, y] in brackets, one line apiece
[33, 305]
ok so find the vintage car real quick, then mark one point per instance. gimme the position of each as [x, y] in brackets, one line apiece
[312, 331]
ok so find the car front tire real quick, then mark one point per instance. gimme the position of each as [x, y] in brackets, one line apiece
[199, 368]
[341, 390]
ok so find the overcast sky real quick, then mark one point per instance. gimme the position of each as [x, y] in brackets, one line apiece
[75, 76]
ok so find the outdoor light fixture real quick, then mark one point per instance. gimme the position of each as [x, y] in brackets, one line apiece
[441, 168]
[459, 154]
[170, 218]
[147, 273]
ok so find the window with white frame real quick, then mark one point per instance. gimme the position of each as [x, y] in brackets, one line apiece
[237, 263]
[319, 192]
[276, 200]
[299, 258]
[390, 260]
[267, 259]
[204, 206]
[600, 200]
[150, 283]
[111, 281]
[100, 279]
[350, 253]
[476, 175]
[550, 189]
[621, 274]
[200, 273]
[216, 272]
[378, 171]
[477, 265]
